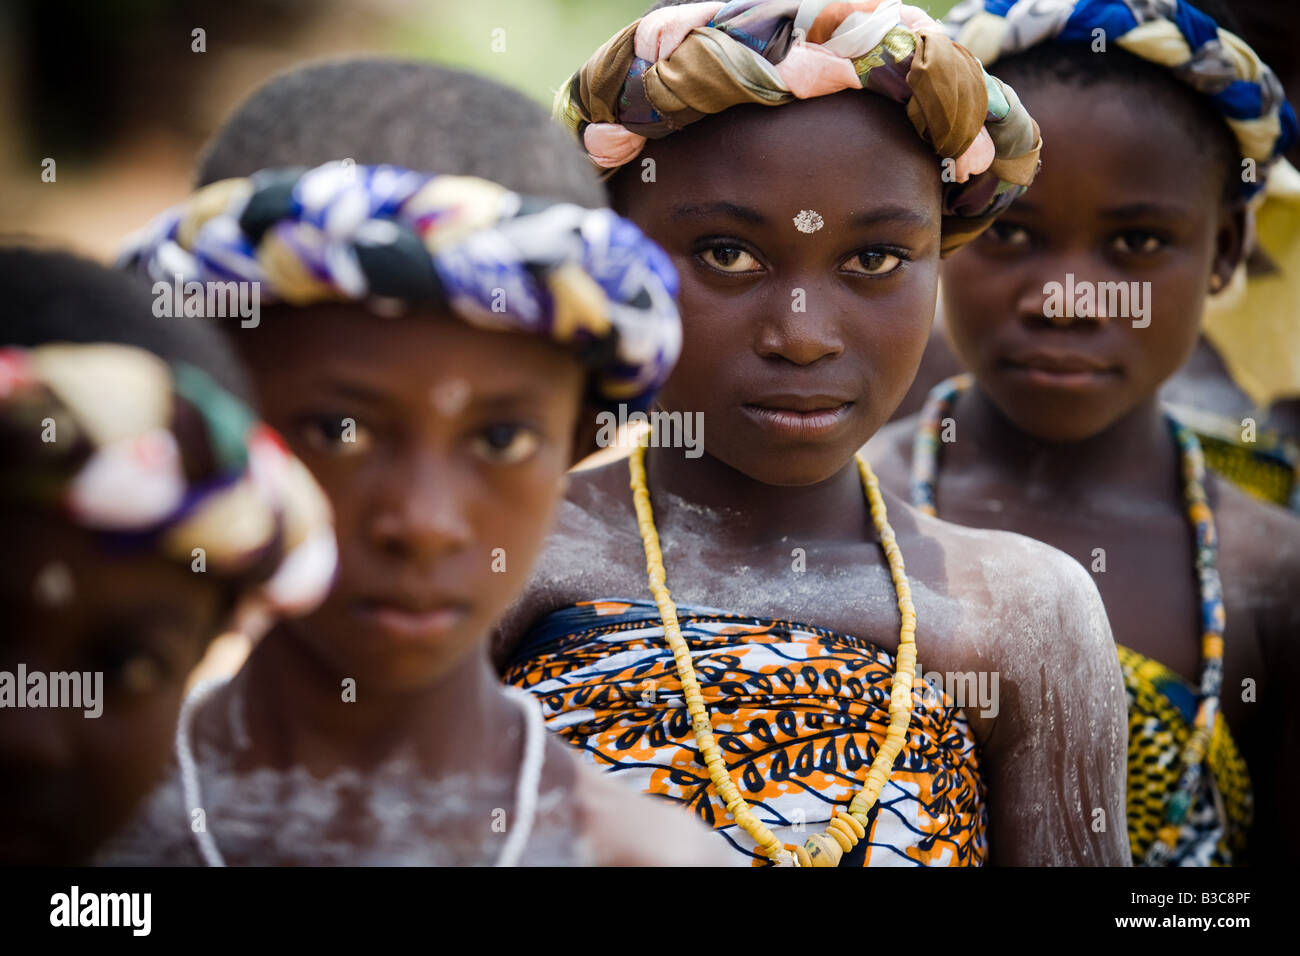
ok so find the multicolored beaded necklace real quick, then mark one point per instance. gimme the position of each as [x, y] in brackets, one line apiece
[846, 828]
[925, 475]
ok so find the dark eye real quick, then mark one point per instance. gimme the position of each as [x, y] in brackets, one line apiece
[129, 669]
[337, 434]
[1138, 242]
[874, 262]
[729, 258]
[506, 444]
[1007, 234]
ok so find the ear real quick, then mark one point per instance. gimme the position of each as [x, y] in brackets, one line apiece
[1235, 227]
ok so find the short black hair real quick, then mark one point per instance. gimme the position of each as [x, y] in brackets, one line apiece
[49, 296]
[420, 115]
[1077, 66]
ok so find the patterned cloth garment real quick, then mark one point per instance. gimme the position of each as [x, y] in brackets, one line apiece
[1161, 710]
[800, 712]
[1266, 465]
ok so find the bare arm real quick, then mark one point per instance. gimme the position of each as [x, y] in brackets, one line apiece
[1055, 760]
[1279, 624]
[625, 828]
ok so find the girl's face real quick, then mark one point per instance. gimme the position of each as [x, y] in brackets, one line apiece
[807, 241]
[138, 625]
[1127, 205]
[443, 450]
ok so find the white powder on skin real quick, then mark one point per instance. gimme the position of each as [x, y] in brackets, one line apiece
[994, 601]
[290, 818]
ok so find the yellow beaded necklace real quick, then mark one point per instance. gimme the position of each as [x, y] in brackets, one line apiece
[846, 829]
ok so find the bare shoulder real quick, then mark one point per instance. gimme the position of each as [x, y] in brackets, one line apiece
[890, 453]
[1008, 578]
[1264, 535]
[1259, 556]
[592, 536]
[623, 828]
[1004, 599]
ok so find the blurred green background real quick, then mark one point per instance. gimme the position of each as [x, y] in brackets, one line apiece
[117, 94]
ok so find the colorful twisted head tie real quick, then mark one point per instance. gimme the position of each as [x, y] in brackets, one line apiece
[1169, 33]
[585, 278]
[679, 64]
[160, 458]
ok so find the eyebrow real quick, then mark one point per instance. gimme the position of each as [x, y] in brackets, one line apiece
[1138, 210]
[510, 397]
[355, 391]
[507, 401]
[871, 217]
[711, 210]
[908, 215]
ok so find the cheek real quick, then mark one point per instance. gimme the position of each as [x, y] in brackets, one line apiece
[125, 751]
[1170, 338]
[899, 326]
[709, 333]
[974, 301]
[511, 520]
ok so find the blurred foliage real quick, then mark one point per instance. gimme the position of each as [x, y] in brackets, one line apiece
[91, 72]
[544, 40]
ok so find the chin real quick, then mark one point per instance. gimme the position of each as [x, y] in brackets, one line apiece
[1057, 414]
[381, 669]
[1048, 423]
[791, 467]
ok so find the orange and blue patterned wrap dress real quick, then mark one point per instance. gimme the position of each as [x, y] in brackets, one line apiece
[799, 711]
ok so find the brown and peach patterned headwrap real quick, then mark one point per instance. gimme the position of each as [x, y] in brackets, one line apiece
[679, 64]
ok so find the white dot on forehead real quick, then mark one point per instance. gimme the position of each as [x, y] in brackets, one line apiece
[450, 396]
[808, 220]
[53, 586]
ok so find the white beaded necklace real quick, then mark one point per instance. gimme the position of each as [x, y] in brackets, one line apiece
[527, 786]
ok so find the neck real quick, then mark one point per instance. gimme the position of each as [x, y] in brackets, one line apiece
[1134, 459]
[749, 512]
[295, 715]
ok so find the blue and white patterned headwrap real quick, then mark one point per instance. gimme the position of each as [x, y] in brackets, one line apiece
[1170, 33]
[585, 278]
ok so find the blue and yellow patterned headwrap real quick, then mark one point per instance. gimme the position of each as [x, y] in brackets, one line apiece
[1170, 33]
[585, 278]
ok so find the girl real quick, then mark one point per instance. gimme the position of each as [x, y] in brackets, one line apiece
[1061, 435]
[772, 685]
[147, 510]
[433, 341]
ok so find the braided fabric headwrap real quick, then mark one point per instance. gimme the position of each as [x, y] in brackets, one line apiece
[679, 64]
[161, 458]
[585, 278]
[1169, 33]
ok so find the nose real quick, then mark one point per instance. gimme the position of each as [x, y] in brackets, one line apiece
[797, 331]
[423, 511]
[1072, 294]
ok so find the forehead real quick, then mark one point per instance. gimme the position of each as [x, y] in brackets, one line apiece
[1109, 142]
[294, 345]
[849, 149]
[63, 572]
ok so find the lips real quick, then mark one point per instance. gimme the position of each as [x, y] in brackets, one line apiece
[802, 417]
[1061, 369]
[408, 620]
